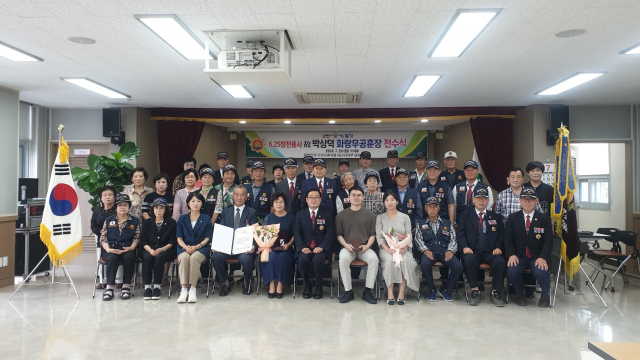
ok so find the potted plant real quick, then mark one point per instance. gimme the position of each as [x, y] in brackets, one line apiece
[104, 171]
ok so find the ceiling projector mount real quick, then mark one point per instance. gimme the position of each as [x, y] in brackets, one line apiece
[250, 57]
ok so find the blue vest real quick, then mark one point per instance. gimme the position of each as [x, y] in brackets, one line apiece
[210, 202]
[119, 240]
[262, 202]
[438, 243]
[461, 198]
[409, 205]
[442, 192]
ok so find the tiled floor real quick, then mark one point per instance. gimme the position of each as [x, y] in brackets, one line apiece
[48, 322]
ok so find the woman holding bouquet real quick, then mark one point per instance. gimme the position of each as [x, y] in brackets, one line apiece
[278, 271]
[402, 268]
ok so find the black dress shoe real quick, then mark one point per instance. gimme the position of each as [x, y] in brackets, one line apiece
[544, 302]
[246, 287]
[306, 294]
[271, 295]
[346, 297]
[278, 295]
[318, 294]
[224, 290]
[521, 300]
[368, 297]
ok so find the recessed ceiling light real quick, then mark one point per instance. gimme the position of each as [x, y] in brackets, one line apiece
[14, 54]
[463, 29]
[571, 82]
[377, 121]
[237, 91]
[420, 85]
[242, 122]
[287, 122]
[424, 120]
[81, 40]
[634, 50]
[570, 33]
[170, 29]
[332, 121]
[97, 88]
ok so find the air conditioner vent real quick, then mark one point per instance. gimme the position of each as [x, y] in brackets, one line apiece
[327, 97]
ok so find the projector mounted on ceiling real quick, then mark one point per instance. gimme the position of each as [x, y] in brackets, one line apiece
[250, 57]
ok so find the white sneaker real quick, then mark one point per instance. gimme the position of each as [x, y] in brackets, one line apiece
[192, 295]
[183, 296]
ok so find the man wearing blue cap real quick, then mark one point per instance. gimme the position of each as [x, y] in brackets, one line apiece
[223, 160]
[528, 241]
[410, 203]
[462, 193]
[322, 183]
[432, 186]
[259, 191]
[451, 174]
[388, 174]
[290, 185]
[480, 235]
[420, 173]
[307, 166]
[247, 179]
[359, 175]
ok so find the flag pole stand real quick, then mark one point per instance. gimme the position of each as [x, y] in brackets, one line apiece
[64, 270]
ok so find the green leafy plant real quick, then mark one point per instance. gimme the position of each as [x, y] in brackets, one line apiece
[106, 171]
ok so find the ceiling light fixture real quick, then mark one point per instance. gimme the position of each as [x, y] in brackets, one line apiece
[634, 50]
[424, 120]
[287, 122]
[462, 30]
[170, 29]
[570, 33]
[569, 83]
[377, 121]
[14, 54]
[237, 91]
[421, 85]
[332, 121]
[81, 40]
[242, 122]
[97, 88]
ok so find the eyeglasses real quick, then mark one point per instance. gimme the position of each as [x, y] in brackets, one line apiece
[313, 197]
[527, 199]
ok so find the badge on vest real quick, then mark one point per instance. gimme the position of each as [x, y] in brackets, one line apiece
[329, 191]
[492, 222]
[423, 190]
[538, 236]
[443, 178]
[440, 190]
[412, 177]
[493, 228]
[538, 230]
[444, 232]
[462, 189]
[425, 227]
[459, 177]
[346, 201]
[320, 221]
[408, 211]
[131, 226]
[112, 223]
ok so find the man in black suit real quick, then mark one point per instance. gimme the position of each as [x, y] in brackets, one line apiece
[307, 165]
[313, 234]
[290, 185]
[236, 216]
[528, 241]
[480, 235]
[322, 183]
[388, 174]
[223, 160]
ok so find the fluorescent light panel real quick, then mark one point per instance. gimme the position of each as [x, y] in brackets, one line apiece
[237, 91]
[170, 29]
[573, 81]
[14, 54]
[96, 87]
[463, 29]
[421, 85]
[634, 50]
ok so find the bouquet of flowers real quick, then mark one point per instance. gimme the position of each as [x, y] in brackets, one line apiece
[395, 243]
[265, 236]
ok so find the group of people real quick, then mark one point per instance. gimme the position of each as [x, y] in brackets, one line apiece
[401, 222]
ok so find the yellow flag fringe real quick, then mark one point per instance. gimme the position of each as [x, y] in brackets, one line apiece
[58, 259]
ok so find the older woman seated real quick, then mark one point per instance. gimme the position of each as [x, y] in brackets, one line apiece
[158, 239]
[119, 238]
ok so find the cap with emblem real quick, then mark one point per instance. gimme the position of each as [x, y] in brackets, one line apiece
[257, 165]
[223, 155]
[481, 191]
[432, 200]
[307, 159]
[319, 162]
[343, 162]
[392, 154]
[371, 174]
[228, 167]
[402, 171]
[421, 155]
[365, 155]
[433, 163]
[451, 154]
[290, 162]
[122, 198]
[470, 163]
[529, 191]
[159, 201]
[249, 163]
[206, 170]
[277, 166]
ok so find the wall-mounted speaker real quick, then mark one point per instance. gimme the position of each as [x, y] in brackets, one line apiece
[111, 122]
[558, 116]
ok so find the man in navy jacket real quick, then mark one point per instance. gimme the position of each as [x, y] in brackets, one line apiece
[313, 234]
[319, 182]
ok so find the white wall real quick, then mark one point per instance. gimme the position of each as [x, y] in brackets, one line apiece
[9, 118]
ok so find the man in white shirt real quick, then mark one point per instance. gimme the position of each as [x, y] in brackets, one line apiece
[388, 174]
[420, 173]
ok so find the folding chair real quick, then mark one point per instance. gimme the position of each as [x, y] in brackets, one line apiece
[552, 287]
[234, 260]
[596, 245]
[173, 271]
[361, 264]
[102, 264]
[327, 270]
[616, 258]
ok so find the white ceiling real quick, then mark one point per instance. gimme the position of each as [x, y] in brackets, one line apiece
[375, 46]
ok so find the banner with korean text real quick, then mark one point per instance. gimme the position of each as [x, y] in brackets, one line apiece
[334, 144]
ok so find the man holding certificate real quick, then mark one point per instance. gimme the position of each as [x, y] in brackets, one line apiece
[234, 217]
[313, 234]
